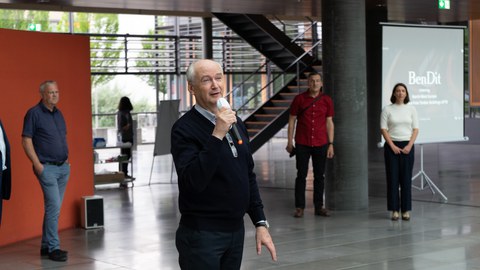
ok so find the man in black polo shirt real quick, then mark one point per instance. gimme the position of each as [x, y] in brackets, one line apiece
[45, 143]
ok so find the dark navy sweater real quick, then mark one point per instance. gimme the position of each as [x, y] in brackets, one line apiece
[216, 189]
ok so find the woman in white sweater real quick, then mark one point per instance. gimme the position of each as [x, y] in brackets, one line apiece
[399, 127]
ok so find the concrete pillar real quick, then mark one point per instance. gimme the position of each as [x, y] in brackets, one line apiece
[376, 13]
[344, 69]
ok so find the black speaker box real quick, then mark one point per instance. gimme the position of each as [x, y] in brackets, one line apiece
[92, 212]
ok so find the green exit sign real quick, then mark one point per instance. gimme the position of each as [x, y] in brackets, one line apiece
[443, 4]
[34, 27]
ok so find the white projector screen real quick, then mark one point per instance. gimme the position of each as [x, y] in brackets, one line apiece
[429, 60]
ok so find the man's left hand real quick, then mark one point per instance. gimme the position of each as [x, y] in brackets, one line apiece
[263, 238]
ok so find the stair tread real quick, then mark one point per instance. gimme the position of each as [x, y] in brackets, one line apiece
[302, 81]
[269, 43]
[275, 107]
[257, 122]
[265, 115]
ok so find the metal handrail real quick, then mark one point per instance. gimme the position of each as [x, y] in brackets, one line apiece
[303, 54]
[303, 33]
[248, 78]
[238, 86]
[282, 23]
[296, 62]
[312, 24]
[259, 91]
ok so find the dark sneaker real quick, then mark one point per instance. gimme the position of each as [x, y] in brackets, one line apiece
[44, 252]
[58, 255]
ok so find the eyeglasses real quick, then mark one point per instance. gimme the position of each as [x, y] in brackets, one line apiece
[232, 145]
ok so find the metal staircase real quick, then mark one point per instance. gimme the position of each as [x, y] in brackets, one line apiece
[264, 36]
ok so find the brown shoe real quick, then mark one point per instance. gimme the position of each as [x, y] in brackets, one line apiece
[322, 212]
[395, 215]
[298, 213]
[406, 216]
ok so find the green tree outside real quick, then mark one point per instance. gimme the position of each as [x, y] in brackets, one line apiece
[105, 51]
[105, 101]
[152, 49]
[22, 19]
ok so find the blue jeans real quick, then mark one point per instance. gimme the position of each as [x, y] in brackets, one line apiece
[53, 181]
[399, 175]
[319, 156]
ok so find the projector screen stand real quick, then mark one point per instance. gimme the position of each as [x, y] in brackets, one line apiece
[425, 180]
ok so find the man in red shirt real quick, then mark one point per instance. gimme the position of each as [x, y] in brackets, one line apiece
[313, 113]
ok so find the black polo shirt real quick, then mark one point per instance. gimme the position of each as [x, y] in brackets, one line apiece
[48, 132]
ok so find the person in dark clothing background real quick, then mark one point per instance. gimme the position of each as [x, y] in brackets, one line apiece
[125, 129]
[5, 169]
[216, 182]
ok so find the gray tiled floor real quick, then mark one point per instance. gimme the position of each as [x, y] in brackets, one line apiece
[140, 222]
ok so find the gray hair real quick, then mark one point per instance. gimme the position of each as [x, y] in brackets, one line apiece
[190, 73]
[44, 85]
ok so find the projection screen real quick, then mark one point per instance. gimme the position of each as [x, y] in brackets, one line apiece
[430, 61]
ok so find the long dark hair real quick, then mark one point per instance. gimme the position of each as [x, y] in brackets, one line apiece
[125, 104]
[393, 99]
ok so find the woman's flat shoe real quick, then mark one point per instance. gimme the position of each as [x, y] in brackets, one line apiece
[395, 215]
[406, 216]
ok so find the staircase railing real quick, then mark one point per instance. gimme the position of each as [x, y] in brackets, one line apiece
[257, 71]
[297, 73]
[299, 35]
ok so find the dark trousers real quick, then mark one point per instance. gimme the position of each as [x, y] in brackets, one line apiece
[399, 175]
[128, 153]
[319, 156]
[206, 250]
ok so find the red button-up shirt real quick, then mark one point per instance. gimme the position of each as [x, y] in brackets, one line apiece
[311, 129]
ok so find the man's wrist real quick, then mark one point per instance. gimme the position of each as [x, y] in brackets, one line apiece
[262, 223]
[217, 135]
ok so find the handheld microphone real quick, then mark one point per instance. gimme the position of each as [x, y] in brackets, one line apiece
[223, 103]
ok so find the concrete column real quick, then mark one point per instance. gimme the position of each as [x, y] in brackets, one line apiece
[375, 13]
[344, 69]
[207, 38]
